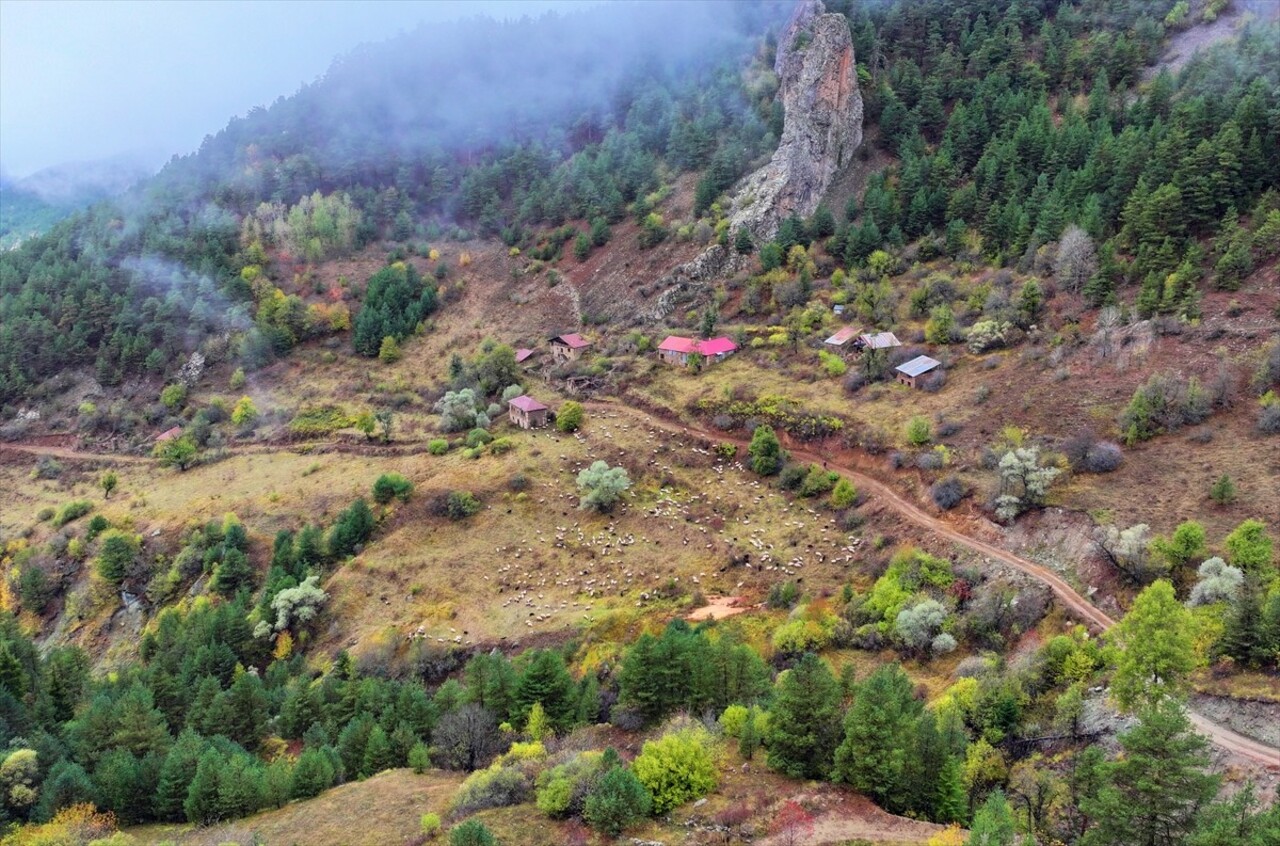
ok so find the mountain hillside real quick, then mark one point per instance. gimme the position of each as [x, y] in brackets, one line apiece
[681, 423]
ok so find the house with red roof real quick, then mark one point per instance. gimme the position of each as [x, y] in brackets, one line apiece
[523, 354]
[526, 412]
[678, 350]
[169, 434]
[568, 347]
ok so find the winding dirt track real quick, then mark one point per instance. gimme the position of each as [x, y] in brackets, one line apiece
[1219, 735]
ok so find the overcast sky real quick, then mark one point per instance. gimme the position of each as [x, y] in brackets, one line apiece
[81, 81]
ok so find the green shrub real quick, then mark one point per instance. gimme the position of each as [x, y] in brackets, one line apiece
[501, 446]
[570, 416]
[677, 768]
[818, 481]
[73, 510]
[844, 494]
[459, 505]
[618, 802]
[437, 446]
[97, 525]
[478, 437]
[430, 825]
[919, 433]
[173, 396]
[471, 833]
[392, 486]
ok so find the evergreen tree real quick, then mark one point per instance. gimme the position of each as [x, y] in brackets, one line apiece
[312, 775]
[547, 680]
[176, 775]
[804, 721]
[201, 802]
[377, 753]
[1155, 792]
[879, 743]
[618, 801]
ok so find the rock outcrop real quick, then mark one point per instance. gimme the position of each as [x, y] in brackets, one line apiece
[822, 126]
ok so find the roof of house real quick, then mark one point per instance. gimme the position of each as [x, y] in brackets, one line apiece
[169, 434]
[916, 366]
[842, 337]
[527, 403]
[573, 340]
[523, 354]
[674, 343]
[881, 340]
[716, 346]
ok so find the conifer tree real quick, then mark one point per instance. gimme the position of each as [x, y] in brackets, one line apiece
[804, 721]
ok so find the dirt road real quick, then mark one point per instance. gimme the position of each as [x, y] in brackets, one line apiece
[1219, 735]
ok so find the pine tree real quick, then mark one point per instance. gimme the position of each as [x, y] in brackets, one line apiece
[880, 738]
[547, 680]
[1154, 794]
[377, 753]
[312, 775]
[744, 244]
[176, 775]
[765, 451]
[201, 802]
[804, 721]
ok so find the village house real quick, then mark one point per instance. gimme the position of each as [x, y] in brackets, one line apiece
[909, 373]
[677, 350]
[524, 354]
[568, 347]
[526, 412]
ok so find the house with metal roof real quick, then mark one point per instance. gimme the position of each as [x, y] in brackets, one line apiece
[677, 350]
[524, 354]
[910, 372]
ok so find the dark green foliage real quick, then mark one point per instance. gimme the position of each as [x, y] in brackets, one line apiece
[351, 531]
[1157, 791]
[684, 669]
[547, 680]
[396, 300]
[618, 801]
[117, 553]
[879, 738]
[471, 833]
[804, 721]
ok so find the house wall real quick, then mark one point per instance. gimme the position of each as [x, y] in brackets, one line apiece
[673, 357]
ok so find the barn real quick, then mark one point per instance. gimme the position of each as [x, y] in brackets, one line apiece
[568, 347]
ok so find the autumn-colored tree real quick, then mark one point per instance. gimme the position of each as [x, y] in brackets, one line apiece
[793, 825]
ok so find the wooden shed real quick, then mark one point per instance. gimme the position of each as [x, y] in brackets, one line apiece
[526, 412]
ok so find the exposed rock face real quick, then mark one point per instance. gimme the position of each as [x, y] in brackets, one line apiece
[822, 127]
[821, 130]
